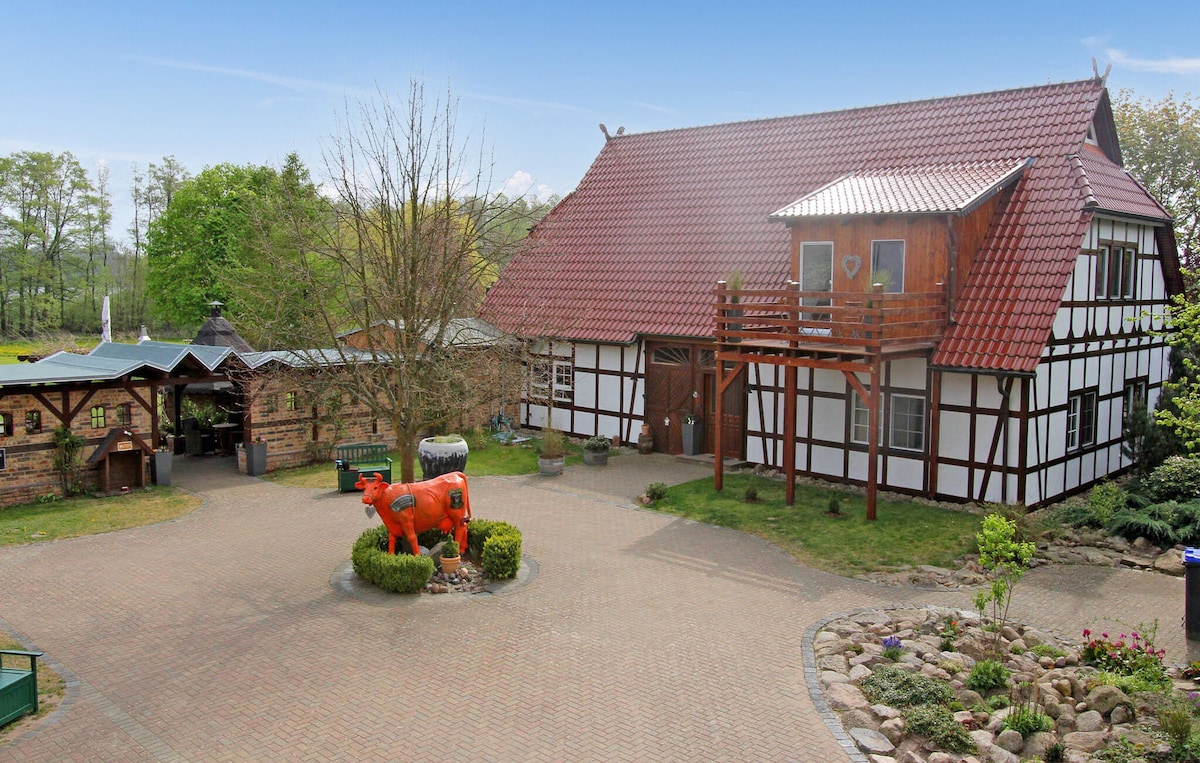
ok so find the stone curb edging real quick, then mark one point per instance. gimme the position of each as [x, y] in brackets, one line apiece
[817, 694]
[345, 582]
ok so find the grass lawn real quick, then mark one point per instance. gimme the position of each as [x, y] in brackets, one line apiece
[71, 517]
[904, 534]
[485, 459]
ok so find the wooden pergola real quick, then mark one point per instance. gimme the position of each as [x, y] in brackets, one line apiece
[854, 333]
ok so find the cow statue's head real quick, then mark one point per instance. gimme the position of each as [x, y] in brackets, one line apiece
[372, 487]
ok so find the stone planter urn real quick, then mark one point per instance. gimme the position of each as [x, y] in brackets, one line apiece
[442, 455]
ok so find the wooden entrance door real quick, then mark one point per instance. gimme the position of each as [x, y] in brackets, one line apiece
[733, 434]
[681, 380]
[670, 381]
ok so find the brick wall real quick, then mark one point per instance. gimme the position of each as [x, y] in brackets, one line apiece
[29, 456]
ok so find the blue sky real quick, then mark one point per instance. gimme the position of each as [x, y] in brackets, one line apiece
[249, 82]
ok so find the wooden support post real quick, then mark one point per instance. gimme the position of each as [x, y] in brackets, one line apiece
[935, 432]
[789, 433]
[718, 460]
[873, 406]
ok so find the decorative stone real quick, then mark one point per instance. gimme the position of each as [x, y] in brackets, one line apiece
[829, 677]
[1121, 714]
[1010, 740]
[859, 672]
[941, 757]
[983, 740]
[885, 712]
[998, 754]
[871, 741]
[1085, 741]
[1104, 698]
[1089, 721]
[1170, 563]
[969, 697]
[1037, 744]
[845, 697]
[859, 718]
[893, 729]
[876, 758]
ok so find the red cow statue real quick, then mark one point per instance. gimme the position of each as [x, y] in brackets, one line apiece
[408, 509]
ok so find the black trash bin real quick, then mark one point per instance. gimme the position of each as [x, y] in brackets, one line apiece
[1191, 594]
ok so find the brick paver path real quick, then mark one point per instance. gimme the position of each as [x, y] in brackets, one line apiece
[642, 637]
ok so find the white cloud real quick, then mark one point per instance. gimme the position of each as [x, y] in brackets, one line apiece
[291, 83]
[654, 107]
[521, 183]
[1173, 65]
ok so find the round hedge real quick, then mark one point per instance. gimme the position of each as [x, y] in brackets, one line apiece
[401, 573]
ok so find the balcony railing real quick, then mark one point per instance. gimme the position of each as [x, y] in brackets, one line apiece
[753, 320]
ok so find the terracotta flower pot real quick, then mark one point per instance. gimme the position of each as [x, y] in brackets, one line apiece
[450, 564]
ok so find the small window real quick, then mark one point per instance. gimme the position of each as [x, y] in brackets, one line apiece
[707, 359]
[887, 265]
[860, 420]
[33, 422]
[1081, 420]
[98, 417]
[6, 425]
[539, 380]
[271, 404]
[1116, 272]
[1136, 395]
[908, 422]
[564, 381]
[671, 356]
[124, 414]
[292, 400]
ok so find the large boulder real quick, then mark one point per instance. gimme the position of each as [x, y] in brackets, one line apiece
[1085, 741]
[845, 697]
[1103, 699]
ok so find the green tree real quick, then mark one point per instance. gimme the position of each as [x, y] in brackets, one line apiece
[44, 219]
[1160, 144]
[209, 227]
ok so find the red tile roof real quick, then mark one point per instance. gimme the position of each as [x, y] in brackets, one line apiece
[941, 188]
[660, 217]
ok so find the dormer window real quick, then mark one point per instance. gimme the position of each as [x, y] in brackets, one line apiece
[1091, 134]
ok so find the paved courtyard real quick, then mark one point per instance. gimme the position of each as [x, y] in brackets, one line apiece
[219, 637]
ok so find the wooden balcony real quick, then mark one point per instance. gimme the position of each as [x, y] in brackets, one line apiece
[846, 331]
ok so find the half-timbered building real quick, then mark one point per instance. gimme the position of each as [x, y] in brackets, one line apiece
[945, 298]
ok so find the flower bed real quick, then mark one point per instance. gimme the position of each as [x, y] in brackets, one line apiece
[934, 685]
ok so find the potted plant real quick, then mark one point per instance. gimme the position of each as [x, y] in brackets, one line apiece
[595, 450]
[441, 455]
[693, 435]
[450, 556]
[552, 455]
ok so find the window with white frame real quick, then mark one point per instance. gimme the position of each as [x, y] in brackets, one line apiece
[1116, 269]
[540, 376]
[860, 420]
[887, 265]
[908, 422]
[816, 273]
[1081, 419]
[564, 381]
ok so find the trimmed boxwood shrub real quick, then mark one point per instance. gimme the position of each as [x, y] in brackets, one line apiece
[479, 530]
[502, 555]
[401, 573]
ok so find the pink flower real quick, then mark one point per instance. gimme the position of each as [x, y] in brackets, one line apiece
[1087, 632]
[1104, 635]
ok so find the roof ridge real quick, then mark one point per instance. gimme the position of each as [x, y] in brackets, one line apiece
[853, 109]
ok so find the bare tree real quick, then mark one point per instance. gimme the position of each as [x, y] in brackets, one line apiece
[388, 252]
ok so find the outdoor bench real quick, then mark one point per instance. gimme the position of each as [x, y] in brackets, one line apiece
[18, 687]
[363, 458]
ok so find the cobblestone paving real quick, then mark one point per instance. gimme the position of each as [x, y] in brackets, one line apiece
[218, 637]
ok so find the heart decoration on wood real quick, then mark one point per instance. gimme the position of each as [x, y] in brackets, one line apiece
[851, 264]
